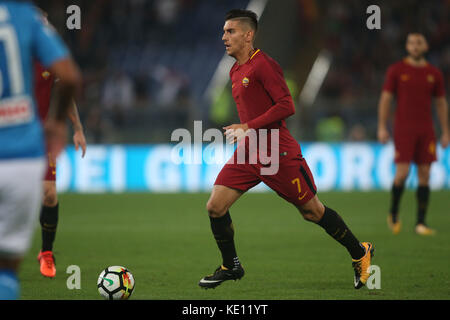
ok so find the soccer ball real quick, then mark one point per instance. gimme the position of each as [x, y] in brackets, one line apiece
[115, 283]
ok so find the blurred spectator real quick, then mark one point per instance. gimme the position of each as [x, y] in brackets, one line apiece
[96, 126]
[169, 85]
[330, 129]
[118, 96]
[221, 108]
[167, 11]
[357, 133]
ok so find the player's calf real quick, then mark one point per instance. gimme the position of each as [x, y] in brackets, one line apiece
[361, 253]
[231, 269]
[49, 221]
[396, 195]
[50, 194]
[223, 232]
[335, 226]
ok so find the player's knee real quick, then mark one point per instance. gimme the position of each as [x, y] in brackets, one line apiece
[424, 181]
[424, 176]
[308, 216]
[312, 211]
[401, 175]
[311, 215]
[400, 178]
[215, 209]
[50, 197]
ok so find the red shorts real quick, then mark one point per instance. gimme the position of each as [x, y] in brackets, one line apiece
[293, 181]
[50, 174]
[418, 147]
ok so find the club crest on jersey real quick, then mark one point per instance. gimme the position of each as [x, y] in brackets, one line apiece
[430, 78]
[432, 148]
[404, 77]
[45, 74]
[245, 82]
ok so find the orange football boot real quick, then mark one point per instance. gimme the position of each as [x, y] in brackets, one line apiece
[423, 230]
[361, 266]
[47, 263]
[394, 226]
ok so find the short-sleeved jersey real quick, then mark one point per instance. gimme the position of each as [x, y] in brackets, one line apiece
[43, 84]
[23, 38]
[262, 97]
[414, 88]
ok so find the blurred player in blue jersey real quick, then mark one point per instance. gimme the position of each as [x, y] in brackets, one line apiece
[25, 38]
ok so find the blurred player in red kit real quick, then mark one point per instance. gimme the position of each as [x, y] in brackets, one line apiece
[414, 82]
[263, 102]
[44, 82]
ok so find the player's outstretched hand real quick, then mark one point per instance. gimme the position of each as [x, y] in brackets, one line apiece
[56, 136]
[79, 140]
[383, 135]
[235, 132]
[444, 140]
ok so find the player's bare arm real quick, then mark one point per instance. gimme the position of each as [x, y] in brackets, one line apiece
[68, 87]
[79, 140]
[442, 112]
[384, 107]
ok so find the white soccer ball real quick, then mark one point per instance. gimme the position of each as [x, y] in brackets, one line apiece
[115, 283]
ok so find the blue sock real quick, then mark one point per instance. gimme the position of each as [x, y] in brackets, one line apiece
[9, 285]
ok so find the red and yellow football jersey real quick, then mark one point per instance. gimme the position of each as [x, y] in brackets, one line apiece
[43, 83]
[414, 88]
[262, 96]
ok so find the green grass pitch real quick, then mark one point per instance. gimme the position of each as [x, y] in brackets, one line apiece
[166, 242]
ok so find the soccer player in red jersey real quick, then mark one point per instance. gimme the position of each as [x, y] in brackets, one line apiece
[414, 82]
[44, 82]
[263, 102]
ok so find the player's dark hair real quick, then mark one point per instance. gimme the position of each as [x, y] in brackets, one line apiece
[245, 15]
[418, 31]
